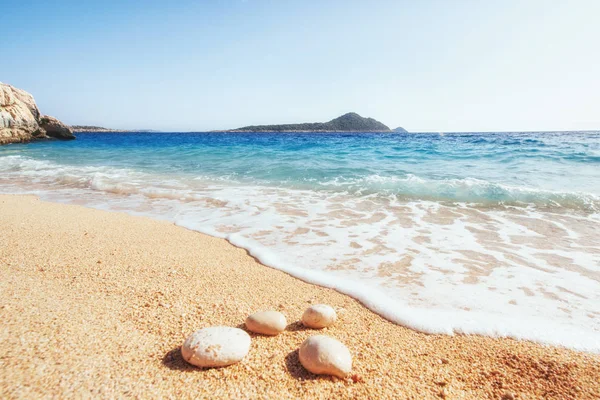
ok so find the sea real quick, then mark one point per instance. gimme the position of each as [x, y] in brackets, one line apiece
[455, 233]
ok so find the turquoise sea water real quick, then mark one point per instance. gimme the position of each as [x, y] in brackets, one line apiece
[495, 233]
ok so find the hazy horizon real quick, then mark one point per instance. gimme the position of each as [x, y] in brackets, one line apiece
[430, 66]
[152, 130]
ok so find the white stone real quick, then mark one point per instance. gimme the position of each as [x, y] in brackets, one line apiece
[266, 322]
[216, 346]
[325, 355]
[319, 316]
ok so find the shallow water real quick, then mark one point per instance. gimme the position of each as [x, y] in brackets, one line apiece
[479, 233]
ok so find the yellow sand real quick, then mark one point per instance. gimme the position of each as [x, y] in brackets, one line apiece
[96, 304]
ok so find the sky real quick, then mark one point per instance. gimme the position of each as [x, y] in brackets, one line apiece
[430, 65]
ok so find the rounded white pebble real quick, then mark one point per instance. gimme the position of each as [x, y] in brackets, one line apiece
[266, 322]
[216, 346]
[319, 316]
[325, 355]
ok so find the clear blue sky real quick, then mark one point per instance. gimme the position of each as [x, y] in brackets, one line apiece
[445, 65]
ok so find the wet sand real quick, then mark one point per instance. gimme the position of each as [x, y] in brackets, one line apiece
[96, 304]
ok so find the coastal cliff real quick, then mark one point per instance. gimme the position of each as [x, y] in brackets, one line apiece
[21, 120]
[350, 122]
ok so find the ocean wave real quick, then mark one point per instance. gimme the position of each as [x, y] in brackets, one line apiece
[467, 190]
[432, 266]
[408, 187]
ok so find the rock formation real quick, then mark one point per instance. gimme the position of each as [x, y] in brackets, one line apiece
[54, 128]
[21, 121]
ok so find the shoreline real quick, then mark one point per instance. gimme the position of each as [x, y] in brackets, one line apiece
[427, 320]
[418, 319]
[110, 296]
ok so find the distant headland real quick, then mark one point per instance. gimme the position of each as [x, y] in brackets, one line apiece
[91, 128]
[350, 122]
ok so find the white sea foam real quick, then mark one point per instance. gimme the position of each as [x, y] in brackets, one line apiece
[465, 190]
[526, 272]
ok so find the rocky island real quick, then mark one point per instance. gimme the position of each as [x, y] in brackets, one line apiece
[350, 122]
[21, 120]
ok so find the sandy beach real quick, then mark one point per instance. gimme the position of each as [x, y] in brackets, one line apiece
[97, 304]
